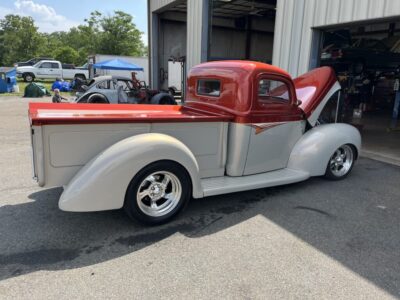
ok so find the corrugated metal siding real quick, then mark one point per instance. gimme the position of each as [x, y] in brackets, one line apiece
[194, 32]
[296, 18]
[157, 4]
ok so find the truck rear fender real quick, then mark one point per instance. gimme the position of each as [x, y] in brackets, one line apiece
[314, 149]
[102, 183]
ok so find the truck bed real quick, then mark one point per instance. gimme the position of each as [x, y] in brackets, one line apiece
[71, 113]
[66, 136]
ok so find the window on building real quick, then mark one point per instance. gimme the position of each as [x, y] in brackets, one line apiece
[209, 87]
[273, 90]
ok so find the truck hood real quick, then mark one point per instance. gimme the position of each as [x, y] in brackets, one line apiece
[314, 89]
[25, 69]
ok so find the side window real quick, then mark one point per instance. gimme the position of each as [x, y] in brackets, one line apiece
[126, 85]
[45, 65]
[274, 90]
[209, 87]
[105, 85]
[54, 66]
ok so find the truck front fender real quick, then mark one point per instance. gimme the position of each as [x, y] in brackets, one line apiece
[102, 183]
[314, 149]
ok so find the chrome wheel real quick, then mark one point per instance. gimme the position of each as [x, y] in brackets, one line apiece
[341, 161]
[159, 193]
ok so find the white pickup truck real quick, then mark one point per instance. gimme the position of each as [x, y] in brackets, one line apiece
[50, 69]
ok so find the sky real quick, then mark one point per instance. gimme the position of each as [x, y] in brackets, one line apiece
[59, 15]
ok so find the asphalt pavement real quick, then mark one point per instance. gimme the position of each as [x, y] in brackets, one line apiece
[317, 239]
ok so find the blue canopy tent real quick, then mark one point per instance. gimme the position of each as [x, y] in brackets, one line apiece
[117, 64]
[8, 80]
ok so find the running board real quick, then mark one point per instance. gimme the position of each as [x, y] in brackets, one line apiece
[227, 184]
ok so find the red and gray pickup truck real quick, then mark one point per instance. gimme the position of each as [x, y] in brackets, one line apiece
[244, 125]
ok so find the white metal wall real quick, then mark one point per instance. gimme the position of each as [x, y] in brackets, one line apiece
[155, 5]
[296, 18]
[197, 41]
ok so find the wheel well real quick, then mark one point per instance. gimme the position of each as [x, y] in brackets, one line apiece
[159, 161]
[80, 75]
[97, 94]
[355, 150]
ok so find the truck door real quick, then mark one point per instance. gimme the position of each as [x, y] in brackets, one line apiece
[56, 70]
[44, 70]
[277, 123]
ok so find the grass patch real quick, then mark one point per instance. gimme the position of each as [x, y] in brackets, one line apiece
[47, 84]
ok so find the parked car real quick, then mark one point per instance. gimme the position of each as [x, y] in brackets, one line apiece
[244, 125]
[32, 61]
[360, 54]
[50, 69]
[117, 89]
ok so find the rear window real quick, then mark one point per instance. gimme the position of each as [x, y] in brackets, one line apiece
[209, 87]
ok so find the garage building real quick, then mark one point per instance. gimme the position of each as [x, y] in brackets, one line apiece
[360, 39]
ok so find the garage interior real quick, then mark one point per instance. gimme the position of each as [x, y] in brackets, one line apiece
[172, 32]
[242, 30]
[366, 58]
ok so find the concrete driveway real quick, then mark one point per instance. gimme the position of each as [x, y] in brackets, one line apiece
[315, 239]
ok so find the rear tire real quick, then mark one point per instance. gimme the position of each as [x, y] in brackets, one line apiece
[97, 98]
[163, 99]
[158, 193]
[341, 162]
[28, 77]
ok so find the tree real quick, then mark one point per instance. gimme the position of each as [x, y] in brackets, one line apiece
[19, 39]
[119, 35]
[115, 34]
[66, 54]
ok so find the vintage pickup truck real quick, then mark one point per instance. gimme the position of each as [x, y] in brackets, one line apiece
[244, 125]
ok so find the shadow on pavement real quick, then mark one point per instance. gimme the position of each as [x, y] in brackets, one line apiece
[354, 221]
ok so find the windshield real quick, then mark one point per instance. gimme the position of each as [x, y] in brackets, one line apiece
[37, 64]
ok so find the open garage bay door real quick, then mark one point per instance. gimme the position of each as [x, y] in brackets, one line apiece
[366, 58]
[242, 30]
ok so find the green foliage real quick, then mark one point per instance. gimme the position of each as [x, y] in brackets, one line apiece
[19, 39]
[115, 35]
[66, 54]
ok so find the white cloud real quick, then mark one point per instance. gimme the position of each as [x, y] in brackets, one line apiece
[46, 17]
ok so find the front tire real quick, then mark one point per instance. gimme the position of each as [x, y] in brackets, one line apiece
[158, 193]
[341, 162]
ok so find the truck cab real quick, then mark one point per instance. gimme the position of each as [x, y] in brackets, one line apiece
[267, 118]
